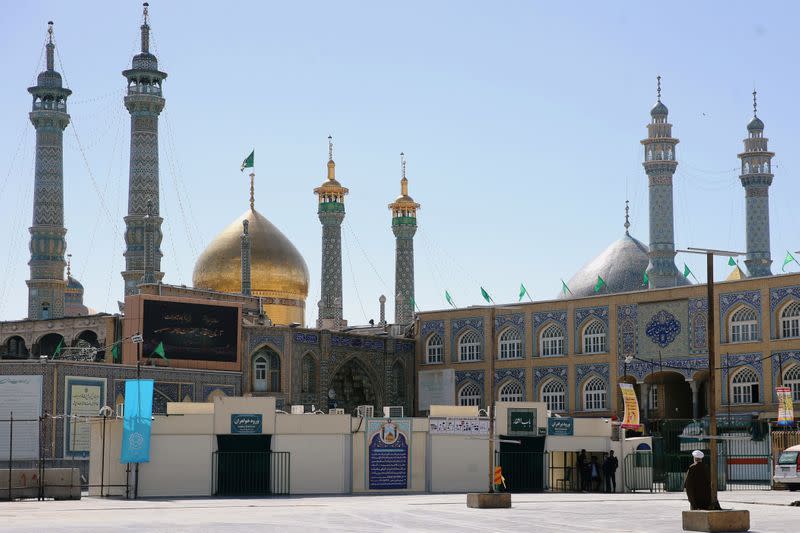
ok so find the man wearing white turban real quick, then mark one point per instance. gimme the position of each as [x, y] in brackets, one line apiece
[698, 483]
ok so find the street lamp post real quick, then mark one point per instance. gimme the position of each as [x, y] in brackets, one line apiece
[138, 340]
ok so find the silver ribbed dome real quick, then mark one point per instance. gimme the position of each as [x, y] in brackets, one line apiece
[50, 79]
[659, 109]
[755, 125]
[621, 266]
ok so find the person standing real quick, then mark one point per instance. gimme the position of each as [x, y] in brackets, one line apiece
[594, 474]
[698, 483]
[610, 465]
[580, 468]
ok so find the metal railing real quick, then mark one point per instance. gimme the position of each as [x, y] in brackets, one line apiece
[523, 471]
[251, 473]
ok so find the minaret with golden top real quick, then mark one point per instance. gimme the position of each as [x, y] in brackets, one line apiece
[404, 226]
[331, 214]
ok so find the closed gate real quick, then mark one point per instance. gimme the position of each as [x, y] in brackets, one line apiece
[522, 464]
[245, 466]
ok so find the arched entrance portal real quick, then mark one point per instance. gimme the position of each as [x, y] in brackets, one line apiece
[353, 386]
[670, 396]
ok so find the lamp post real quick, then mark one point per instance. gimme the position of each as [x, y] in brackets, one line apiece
[712, 361]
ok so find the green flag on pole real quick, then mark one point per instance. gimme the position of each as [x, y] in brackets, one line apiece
[159, 351]
[564, 288]
[788, 259]
[645, 279]
[731, 262]
[115, 353]
[686, 270]
[249, 161]
[522, 291]
[413, 303]
[486, 295]
[599, 284]
[449, 298]
[57, 352]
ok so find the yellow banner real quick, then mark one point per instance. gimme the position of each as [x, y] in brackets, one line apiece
[785, 408]
[631, 418]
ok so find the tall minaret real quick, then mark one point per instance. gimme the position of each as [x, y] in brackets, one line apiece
[404, 226]
[331, 214]
[756, 178]
[659, 164]
[49, 117]
[144, 103]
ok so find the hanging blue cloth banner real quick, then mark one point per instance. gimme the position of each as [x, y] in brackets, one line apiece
[136, 423]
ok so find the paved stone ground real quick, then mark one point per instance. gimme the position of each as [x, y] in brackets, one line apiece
[642, 512]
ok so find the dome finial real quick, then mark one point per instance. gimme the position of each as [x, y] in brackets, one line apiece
[252, 191]
[403, 179]
[755, 104]
[627, 218]
[69, 265]
[658, 87]
[331, 164]
[50, 46]
[145, 29]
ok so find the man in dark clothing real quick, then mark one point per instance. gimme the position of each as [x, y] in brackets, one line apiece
[610, 466]
[580, 468]
[594, 474]
[698, 483]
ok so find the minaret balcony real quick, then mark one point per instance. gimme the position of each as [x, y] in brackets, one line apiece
[404, 221]
[331, 207]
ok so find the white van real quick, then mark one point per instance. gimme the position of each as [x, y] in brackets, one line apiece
[788, 468]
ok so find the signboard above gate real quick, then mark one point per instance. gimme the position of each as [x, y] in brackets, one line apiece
[246, 424]
[522, 421]
[560, 427]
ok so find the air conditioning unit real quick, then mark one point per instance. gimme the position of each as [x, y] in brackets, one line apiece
[298, 409]
[393, 411]
[339, 411]
[365, 411]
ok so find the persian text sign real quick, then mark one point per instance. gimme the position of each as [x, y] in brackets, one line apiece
[22, 397]
[631, 418]
[560, 427]
[459, 425]
[521, 421]
[83, 398]
[246, 424]
[785, 407]
[137, 421]
[388, 443]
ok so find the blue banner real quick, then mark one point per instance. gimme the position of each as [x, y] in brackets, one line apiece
[138, 413]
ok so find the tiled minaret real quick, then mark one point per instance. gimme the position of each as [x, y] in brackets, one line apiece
[49, 117]
[660, 164]
[144, 103]
[756, 178]
[404, 226]
[331, 214]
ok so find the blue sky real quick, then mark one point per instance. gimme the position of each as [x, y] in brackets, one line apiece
[521, 122]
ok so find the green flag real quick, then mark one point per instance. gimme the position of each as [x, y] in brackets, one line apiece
[788, 259]
[599, 284]
[645, 279]
[57, 352]
[115, 353]
[249, 161]
[731, 262]
[486, 295]
[413, 303]
[522, 291]
[686, 270]
[159, 351]
[449, 298]
[564, 288]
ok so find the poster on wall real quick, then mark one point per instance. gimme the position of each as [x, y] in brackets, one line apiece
[83, 397]
[631, 418]
[459, 425]
[22, 397]
[436, 387]
[785, 407]
[388, 453]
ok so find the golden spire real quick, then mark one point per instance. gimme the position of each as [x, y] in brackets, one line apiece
[331, 164]
[404, 205]
[404, 180]
[252, 191]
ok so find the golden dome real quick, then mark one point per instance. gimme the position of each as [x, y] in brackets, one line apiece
[278, 273]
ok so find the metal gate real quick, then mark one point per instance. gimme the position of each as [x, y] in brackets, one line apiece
[251, 473]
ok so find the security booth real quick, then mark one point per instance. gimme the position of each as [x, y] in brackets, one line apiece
[566, 438]
[520, 453]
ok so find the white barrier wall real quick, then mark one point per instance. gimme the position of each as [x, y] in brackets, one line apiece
[458, 463]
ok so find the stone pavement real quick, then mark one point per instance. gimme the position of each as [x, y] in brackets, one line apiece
[641, 512]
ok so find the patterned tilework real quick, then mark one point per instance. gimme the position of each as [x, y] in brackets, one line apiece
[663, 328]
[627, 341]
[786, 360]
[640, 369]
[545, 317]
[306, 338]
[543, 373]
[432, 326]
[259, 340]
[403, 346]
[228, 390]
[459, 326]
[584, 371]
[517, 321]
[698, 325]
[474, 375]
[729, 300]
[511, 374]
[778, 298]
[582, 315]
[734, 362]
[357, 342]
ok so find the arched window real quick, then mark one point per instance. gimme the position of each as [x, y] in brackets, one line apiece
[552, 341]
[791, 379]
[790, 321]
[554, 395]
[594, 337]
[745, 386]
[308, 379]
[653, 397]
[469, 346]
[45, 310]
[510, 344]
[594, 395]
[469, 394]
[266, 371]
[434, 349]
[399, 381]
[743, 325]
[511, 392]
